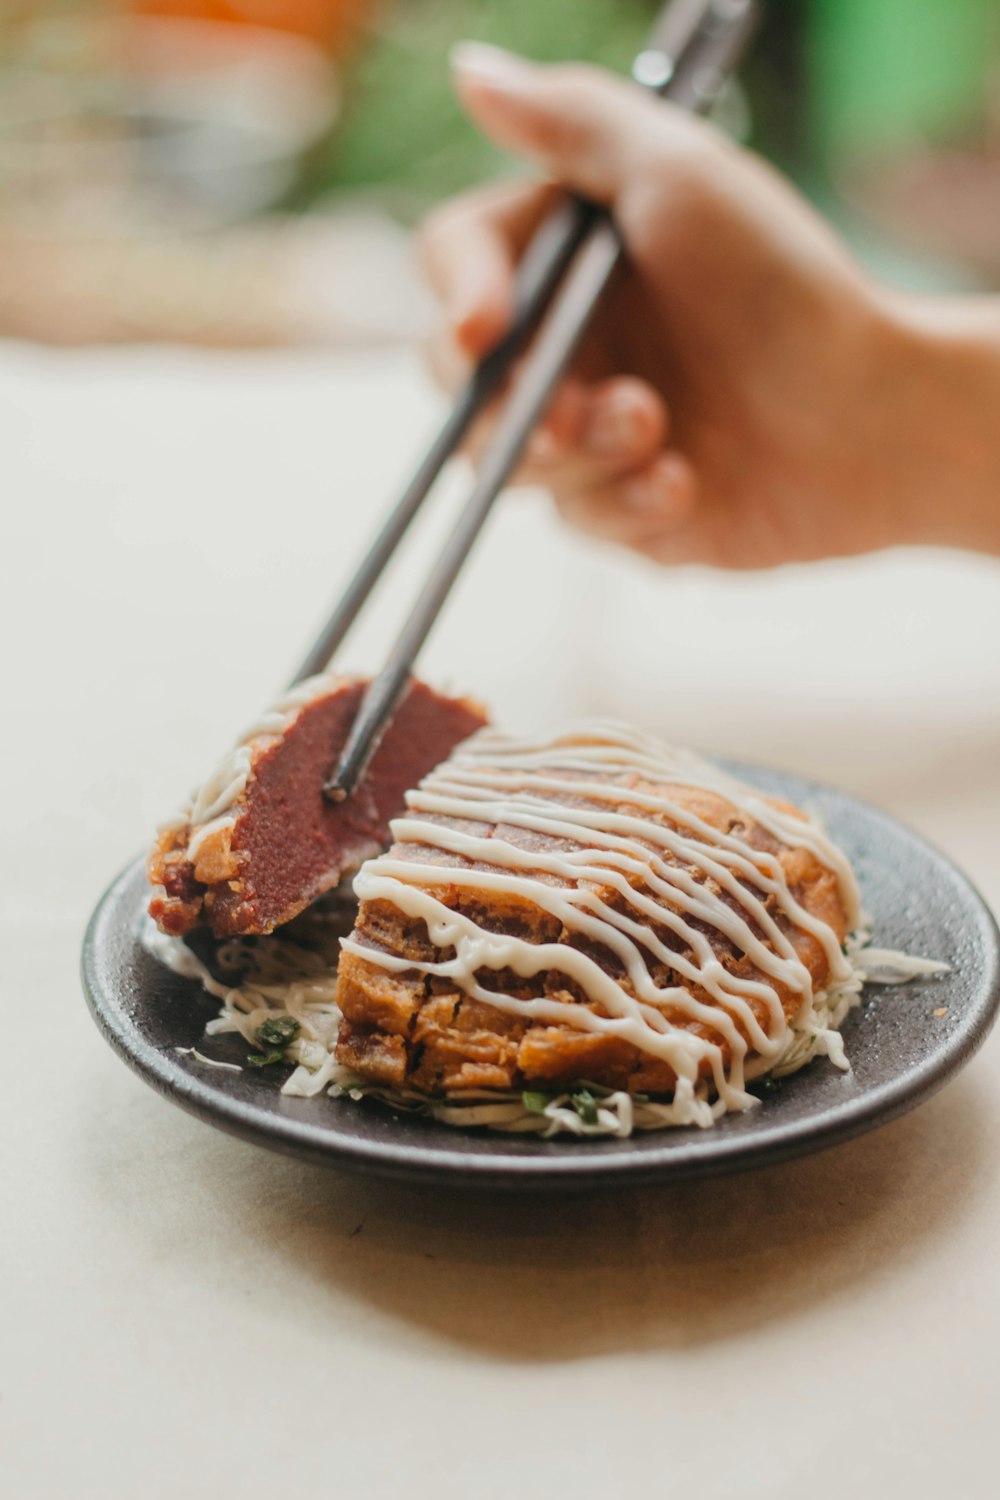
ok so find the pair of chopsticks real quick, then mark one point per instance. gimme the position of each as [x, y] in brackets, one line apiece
[694, 47]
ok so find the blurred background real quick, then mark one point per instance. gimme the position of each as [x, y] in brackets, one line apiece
[211, 387]
[241, 172]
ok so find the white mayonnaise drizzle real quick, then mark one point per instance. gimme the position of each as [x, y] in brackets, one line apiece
[531, 786]
[210, 810]
[279, 978]
[495, 779]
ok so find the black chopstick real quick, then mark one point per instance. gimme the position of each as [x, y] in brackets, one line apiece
[549, 253]
[714, 36]
[552, 247]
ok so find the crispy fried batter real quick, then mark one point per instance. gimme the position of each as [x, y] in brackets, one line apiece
[415, 1030]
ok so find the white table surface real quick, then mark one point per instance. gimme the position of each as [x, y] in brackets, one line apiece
[187, 1316]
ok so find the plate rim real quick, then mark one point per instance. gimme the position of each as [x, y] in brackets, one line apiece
[577, 1168]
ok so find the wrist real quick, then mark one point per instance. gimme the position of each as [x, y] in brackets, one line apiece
[940, 420]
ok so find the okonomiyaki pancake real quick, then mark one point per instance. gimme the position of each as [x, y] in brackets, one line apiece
[594, 907]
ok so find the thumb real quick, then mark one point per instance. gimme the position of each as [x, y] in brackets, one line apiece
[581, 125]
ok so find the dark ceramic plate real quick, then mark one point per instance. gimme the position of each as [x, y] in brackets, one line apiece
[904, 1042]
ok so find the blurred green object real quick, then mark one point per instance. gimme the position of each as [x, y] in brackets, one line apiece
[402, 138]
[889, 71]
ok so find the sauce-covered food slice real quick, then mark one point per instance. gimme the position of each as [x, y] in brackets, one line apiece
[595, 906]
[259, 841]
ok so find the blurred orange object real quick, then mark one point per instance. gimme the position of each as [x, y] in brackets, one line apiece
[332, 24]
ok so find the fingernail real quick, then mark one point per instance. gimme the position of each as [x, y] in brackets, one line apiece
[466, 321]
[490, 65]
[614, 427]
[543, 447]
[648, 494]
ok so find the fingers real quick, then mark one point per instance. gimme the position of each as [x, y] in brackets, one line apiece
[609, 430]
[600, 453]
[640, 509]
[592, 435]
[581, 125]
[470, 248]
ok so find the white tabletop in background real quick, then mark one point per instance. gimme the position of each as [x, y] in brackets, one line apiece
[187, 1316]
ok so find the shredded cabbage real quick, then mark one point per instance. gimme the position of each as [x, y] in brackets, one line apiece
[296, 976]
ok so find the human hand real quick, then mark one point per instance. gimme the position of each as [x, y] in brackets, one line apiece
[743, 385]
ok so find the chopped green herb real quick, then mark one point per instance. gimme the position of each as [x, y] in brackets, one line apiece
[535, 1102]
[585, 1105]
[277, 1032]
[767, 1086]
[272, 1037]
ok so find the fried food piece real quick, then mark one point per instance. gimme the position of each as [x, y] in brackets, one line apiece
[260, 841]
[676, 911]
